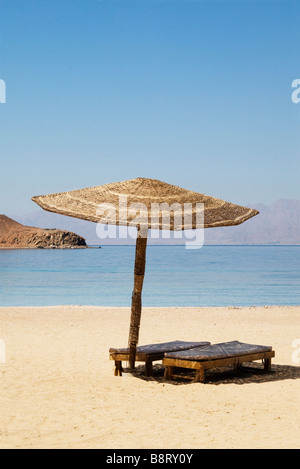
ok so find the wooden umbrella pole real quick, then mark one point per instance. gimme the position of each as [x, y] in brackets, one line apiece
[136, 304]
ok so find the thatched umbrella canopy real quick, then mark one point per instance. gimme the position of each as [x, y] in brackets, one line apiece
[118, 204]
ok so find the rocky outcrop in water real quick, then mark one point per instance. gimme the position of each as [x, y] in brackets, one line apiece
[16, 235]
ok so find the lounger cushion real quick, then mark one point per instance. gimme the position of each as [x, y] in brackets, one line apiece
[161, 348]
[217, 351]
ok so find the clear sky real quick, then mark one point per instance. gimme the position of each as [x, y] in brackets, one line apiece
[195, 93]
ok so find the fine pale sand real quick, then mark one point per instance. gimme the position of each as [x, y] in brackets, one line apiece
[58, 390]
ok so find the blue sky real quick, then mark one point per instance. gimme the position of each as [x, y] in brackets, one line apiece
[195, 93]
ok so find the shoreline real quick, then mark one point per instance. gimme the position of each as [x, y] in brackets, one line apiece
[48, 248]
[58, 388]
[149, 245]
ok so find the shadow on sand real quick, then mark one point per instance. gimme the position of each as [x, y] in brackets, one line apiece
[254, 373]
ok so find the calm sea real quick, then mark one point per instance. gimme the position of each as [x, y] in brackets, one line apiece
[175, 276]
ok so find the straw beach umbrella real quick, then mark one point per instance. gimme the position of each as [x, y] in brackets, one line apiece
[144, 203]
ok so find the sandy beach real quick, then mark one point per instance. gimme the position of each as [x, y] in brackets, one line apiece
[58, 389]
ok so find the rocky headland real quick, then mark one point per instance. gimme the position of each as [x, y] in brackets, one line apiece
[18, 236]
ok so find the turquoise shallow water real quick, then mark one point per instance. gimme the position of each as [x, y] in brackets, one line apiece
[175, 276]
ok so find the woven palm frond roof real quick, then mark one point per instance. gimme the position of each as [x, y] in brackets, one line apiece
[119, 203]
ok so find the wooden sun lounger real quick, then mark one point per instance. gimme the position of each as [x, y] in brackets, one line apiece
[150, 353]
[214, 356]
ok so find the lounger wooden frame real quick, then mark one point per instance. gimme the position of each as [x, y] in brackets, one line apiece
[140, 357]
[201, 365]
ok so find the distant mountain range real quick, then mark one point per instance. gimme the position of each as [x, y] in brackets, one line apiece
[276, 224]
